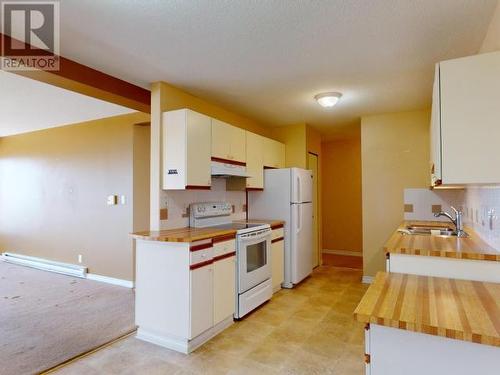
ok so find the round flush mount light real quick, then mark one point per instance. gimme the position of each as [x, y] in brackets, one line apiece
[328, 99]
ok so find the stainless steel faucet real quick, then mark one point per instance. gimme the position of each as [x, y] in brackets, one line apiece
[459, 229]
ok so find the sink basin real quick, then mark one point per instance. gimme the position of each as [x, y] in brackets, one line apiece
[430, 230]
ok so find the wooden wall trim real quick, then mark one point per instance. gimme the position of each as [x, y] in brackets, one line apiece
[82, 79]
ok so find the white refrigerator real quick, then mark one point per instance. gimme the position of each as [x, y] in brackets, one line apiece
[288, 196]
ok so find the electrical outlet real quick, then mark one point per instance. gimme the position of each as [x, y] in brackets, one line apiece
[80, 258]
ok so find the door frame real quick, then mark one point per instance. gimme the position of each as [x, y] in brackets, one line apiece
[316, 194]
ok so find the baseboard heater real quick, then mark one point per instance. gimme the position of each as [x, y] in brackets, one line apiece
[46, 265]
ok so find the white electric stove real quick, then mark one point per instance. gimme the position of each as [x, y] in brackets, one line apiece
[253, 253]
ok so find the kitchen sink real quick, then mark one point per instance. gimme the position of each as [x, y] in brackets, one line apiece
[430, 230]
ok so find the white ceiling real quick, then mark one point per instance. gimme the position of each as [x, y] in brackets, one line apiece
[267, 58]
[27, 105]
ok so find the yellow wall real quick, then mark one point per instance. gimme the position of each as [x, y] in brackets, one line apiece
[492, 40]
[395, 156]
[53, 189]
[341, 198]
[295, 140]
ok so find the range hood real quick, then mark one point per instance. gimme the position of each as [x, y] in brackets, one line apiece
[221, 169]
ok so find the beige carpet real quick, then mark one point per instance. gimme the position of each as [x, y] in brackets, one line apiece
[47, 318]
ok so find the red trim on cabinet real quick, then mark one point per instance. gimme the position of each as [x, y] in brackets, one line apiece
[226, 237]
[201, 247]
[277, 226]
[266, 167]
[201, 264]
[228, 255]
[226, 161]
[198, 187]
[277, 239]
[255, 189]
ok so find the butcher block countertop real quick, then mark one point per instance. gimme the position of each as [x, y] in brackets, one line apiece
[189, 234]
[186, 234]
[471, 247]
[457, 309]
[273, 223]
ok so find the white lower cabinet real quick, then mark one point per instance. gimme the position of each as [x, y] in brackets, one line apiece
[278, 259]
[185, 292]
[201, 300]
[224, 288]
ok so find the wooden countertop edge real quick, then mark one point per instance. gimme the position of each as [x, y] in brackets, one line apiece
[455, 254]
[177, 238]
[476, 338]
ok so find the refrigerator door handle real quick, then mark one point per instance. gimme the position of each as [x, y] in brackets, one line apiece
[298, 189]
[299, 218]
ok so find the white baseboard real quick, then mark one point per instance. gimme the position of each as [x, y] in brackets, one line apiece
[343, 252]
[367, 279]
[45, 264]
[110, 280]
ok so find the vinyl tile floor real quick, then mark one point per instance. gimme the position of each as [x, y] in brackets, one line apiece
[306, 330]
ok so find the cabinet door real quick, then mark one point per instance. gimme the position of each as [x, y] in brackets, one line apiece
[278, 264]
[274, 154]
[221, 139]
[201, 300]
[238, 145]
[224, 289]
[199, 147]
[255, 161]
[435, 165]
[470, 114]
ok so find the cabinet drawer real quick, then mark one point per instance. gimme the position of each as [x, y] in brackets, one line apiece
[201, 256]
[226, 247]
[277, 233]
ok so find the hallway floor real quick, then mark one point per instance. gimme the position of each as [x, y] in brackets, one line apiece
[306, 330]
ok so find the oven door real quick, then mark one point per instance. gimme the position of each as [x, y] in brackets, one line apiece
[254, 259]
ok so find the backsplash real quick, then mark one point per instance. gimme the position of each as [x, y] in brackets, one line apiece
[480, 206]
[177, 202]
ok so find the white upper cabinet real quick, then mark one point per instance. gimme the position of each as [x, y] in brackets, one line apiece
[186, 150]
[466, 120]
[228, 142]
[274, 154]
[255, 160]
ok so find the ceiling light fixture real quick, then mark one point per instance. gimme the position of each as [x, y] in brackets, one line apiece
[328, 99]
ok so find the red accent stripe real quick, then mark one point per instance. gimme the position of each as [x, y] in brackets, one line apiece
[266, 167]
[255, 189]
[201, 247]
[277, 226]
[226, 237]
[198, 187]
[202, 264]
[277, 239]
[228, 255]
[226, 161]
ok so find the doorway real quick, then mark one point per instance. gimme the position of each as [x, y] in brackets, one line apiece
[313, 165]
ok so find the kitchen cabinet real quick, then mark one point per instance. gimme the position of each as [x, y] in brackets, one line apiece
[224, 288]
[186, 150]
[278, 258]
[185, 291]
[464, 125]
[274, 154]
[255, 160]
[228, 142]
[201, 300]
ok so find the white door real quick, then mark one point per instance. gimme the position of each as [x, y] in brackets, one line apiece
[301, 180]
[301, 241]
[224, 288]
[201, 300]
